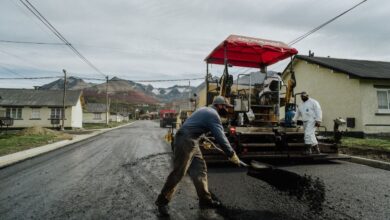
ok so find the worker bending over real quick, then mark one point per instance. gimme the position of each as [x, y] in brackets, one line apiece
[188, 157]
[311, 114]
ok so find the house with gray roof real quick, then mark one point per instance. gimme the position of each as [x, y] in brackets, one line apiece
[356, 90]
[29, 107]
[95, 113]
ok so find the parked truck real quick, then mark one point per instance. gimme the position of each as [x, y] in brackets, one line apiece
[167, 118]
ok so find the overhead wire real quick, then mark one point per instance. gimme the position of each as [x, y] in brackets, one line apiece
[300, 38]
[37, 14]
[296, 40]
[11, 71]
[24, 61]
[29, 42]
[30, 16]
[29, 78]
[100, 79]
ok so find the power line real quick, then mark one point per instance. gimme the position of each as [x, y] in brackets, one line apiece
[296, 40]
[37, 14]
[26, 62]
[99, 79]
[23, 78]
[168, 80]
[21, 75]
[11, 71]
[144, 80]
[29, 42]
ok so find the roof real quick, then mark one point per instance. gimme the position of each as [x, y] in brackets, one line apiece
[250, 52]
[38, 98]
[96, 107]
[359, 68]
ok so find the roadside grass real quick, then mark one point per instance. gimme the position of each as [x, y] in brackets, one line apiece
[37, 136]
[364, 143]
[11, 143]
[90, 126]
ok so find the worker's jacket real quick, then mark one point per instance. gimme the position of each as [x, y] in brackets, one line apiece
[309, 111]
[206, 119]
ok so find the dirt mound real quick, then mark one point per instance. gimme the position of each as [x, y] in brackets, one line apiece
[36, 130]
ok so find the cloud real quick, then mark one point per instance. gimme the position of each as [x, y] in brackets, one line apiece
[155, 39]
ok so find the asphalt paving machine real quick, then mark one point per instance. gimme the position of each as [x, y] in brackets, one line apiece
[256, 126]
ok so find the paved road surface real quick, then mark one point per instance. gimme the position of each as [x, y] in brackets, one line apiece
[118, 175]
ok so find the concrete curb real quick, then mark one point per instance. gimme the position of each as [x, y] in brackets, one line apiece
[10, 159]
[370, 162]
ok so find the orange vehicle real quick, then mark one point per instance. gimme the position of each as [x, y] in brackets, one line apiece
[167, 118]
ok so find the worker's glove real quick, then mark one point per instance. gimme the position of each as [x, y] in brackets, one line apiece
[318, 123]
[234, 159]
[207, 145]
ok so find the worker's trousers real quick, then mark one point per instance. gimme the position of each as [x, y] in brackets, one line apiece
[187, 157]
[310, 135]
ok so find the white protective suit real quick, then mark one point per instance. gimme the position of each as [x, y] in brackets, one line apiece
[309, 112]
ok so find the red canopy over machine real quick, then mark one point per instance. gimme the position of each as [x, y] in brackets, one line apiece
[249, 52]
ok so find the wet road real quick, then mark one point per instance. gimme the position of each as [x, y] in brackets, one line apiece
[118, 175]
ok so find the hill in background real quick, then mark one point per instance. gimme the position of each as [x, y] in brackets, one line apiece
[123, 91]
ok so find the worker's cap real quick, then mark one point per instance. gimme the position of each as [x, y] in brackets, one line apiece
[304, 94]
[220, 100]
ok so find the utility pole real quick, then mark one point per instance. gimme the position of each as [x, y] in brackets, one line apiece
[189, 94]
[63, 102]
[207, 83]
[107, 106]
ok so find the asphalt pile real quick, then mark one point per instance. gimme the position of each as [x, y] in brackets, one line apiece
[305, 188]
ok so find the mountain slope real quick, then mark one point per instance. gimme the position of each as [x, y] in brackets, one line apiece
[72, 83]
[125, 90]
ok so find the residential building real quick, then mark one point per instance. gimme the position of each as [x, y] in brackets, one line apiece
[95, 113]
[119, 117]
[356, 90]
[29, 107]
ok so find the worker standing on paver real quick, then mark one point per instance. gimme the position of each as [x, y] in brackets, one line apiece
[311, 114]
[188, 157]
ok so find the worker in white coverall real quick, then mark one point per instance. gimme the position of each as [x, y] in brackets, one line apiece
[310, 113]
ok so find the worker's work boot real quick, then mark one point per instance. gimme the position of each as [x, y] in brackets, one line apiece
[163, 210]
[210, 204]
[162, 206]
[307, 150]
[316, 149]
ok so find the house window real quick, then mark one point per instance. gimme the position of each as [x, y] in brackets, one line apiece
[56, 113]
[35, 113]
[15, 113]
[383, 100]
[97, 116]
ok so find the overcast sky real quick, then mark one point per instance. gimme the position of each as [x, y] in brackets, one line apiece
[155, 39]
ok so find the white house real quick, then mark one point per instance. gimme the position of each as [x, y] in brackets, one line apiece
[95, 113]
[29, 107]
[119, 117]
[356, 90]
